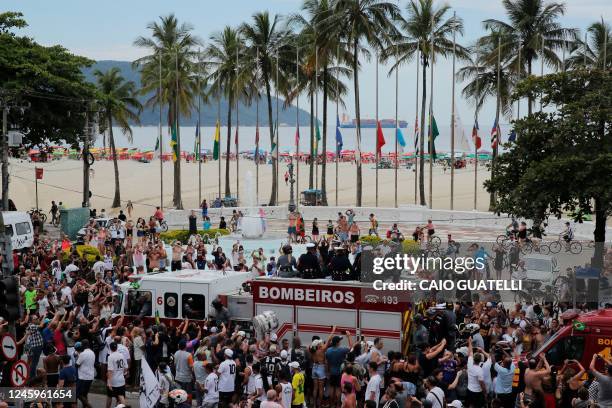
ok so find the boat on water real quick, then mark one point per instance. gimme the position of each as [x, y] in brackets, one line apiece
[366, 123]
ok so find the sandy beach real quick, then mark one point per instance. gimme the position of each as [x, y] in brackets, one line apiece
[63, 180]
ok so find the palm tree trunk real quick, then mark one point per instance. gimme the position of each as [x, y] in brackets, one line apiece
[324, 150]
[358, 118]
[422, 136]
[311, 158]
[530, 99]
[228, 192]
[111, 138]
[177, 200]
[271, 124]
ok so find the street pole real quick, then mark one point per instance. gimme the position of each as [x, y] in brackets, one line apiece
[416, 133]
[452, 184]
[396, 122]
[431, 80]
[86, 158]
[36, 180]
[237, 126]
[5, 159]
[161, 144]
[256, 155]
[377, 146]
[199, 142]
[276, 134]
[297, 122]
[337, 118]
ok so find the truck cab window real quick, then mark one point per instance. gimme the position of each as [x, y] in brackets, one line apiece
[139, 303]
[170, 305]
[194, 306]
[567, 348]
[22, 228]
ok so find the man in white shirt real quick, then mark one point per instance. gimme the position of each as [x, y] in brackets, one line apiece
[85, 363]
[476, 389]
[211, 388]
[373, 389]
[98, 267]
[227, 378]
[115, 376]
[66, 293]
[286, 391]
[258, 393]
[435, 394]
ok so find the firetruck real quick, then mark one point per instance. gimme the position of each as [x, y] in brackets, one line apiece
[312, 307]
[303, 307]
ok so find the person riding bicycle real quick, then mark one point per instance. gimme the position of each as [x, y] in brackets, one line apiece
[568, 233]
[159, 214]
[512, 228]
[430, 228]
[522, 232]
[537, 230]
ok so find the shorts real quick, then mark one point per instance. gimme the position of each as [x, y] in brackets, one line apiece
[115, 392]
[430, 232]
[225, 398]
[292, 230]
[318, 372]
[354, 238]
[140, 233]
[176, 265]
[334, 380]
[82, 387]
[475, 399]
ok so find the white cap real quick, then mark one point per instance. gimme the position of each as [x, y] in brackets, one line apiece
[315, 343]
[213, 329]
[283, 354]
[455, 404]
[229, 352]
[273, 348]
[310, 245]
[273, 337]
[370, 343]
[241, 333]
[294, 364]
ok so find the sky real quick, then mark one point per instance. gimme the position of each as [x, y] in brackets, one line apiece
[106, 30]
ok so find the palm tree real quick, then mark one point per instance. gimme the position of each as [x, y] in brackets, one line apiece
[175, 45]
[530, 22]
[264, 37]
[480, 73]
[315, 47]
[355, 21]
[416, 36]
[591, 53]
[225, 78]
[118, 99]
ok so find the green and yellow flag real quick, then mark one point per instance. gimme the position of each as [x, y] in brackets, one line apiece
[174, 143]
[317, 139]
[433, 128]
[217, 138]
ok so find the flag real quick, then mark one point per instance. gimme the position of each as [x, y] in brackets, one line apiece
[400, 138]
[297, 137]
[317, 140]
[149, 386]
[236, 137]
[339, 143]
[461, 141]
[433, 128]
[216, 146]
[416, 136]
[174, 143]
[274, 138]
[475, 138]
[494, 134]
[196, 144]
[157, 148]
[512, 137]
[380, 138]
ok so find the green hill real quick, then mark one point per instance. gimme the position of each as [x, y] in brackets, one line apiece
[248, 114]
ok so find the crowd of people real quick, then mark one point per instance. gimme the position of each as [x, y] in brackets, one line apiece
[464, 354]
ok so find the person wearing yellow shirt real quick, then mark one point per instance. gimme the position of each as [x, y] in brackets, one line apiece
[297, 383]
[31, 303]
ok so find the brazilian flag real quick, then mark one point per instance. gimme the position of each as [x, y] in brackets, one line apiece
[433, 128]
[217, 138]
[174, 143]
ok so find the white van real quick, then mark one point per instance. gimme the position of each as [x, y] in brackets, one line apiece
[18, 225]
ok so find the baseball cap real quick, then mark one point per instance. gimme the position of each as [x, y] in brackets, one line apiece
[229, 352]
[241, 333]
[294, 364]
[310, 245]
[273, 337]
[283, 354]
[273, 348]
[455, 404]
[213, 329]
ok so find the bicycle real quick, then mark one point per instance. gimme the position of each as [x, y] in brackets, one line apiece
[530, 246]
[41, 215]
[574, 247]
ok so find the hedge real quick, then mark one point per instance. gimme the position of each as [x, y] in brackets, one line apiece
[408, 246]
[183, 235]
[90, 253]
